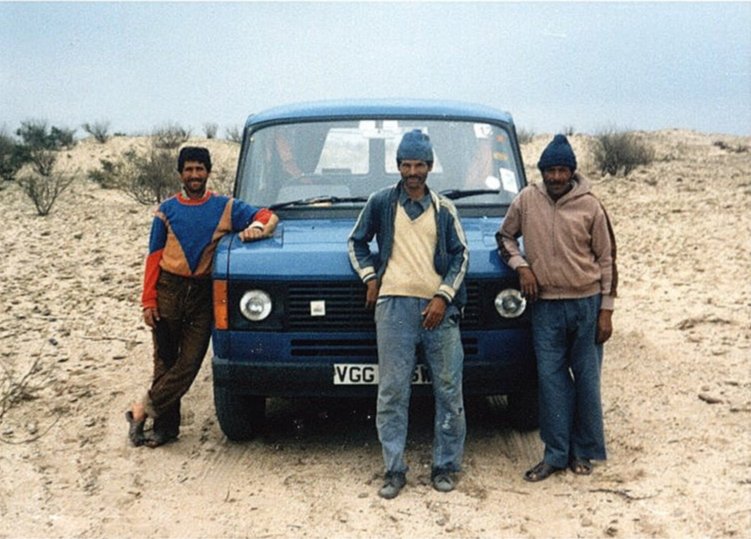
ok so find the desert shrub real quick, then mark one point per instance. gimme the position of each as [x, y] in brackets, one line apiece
[109, 175]
[234, 134]
[98, 130]
[14, 389]
[11, 157]
[210, 130]
[615, 151]
[738, 148]
[568, 130]
[42, 184]
[64, 138]
[148, 178]
[170, 136]
[524, 135]
[36, 134]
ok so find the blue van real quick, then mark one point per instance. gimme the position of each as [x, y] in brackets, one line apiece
[290, 317]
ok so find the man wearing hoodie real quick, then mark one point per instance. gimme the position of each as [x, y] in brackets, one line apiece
[567, 271]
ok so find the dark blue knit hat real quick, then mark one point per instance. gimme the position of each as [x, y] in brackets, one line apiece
[558, 153]
[415, 145]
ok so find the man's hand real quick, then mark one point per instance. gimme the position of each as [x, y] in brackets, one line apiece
[604, 326]
[258, 231]
[252, 233]
[151, 316]
[433, 314]
[528, 282]
[371, 295]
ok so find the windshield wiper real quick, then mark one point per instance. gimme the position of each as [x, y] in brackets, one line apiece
[453, 194]
[323, 199]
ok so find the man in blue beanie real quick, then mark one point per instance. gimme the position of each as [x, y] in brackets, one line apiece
[568, 273]
[415, 282]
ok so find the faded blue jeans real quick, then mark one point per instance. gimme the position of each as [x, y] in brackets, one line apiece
[569, 364]
[399, 331]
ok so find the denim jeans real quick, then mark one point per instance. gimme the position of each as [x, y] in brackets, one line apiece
[569, 364]
[399, 331]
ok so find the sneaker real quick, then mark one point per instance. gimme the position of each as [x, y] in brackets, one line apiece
[442, 480]
[394, 482]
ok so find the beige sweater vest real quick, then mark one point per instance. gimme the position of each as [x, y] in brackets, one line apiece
[411, 269]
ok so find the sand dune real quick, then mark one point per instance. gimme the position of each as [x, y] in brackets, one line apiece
[676, 390]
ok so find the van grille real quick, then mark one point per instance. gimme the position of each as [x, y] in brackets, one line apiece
[345, 307]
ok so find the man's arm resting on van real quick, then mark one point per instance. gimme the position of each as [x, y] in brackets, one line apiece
[258, 230]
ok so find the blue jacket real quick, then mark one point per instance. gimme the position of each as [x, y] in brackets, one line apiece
[377, 220]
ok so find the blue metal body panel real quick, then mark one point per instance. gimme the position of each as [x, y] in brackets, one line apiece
[315, 250]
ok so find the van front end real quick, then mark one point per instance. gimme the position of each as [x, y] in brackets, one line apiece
[290, 321]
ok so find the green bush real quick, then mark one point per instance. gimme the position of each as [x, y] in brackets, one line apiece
[616, 151]
[41, 183]
[109, 176]
[210, 130]
[11, 157]
[98, 130]
[234, 134]
[524, 136]
[170, 136]
[37, 135]
[149, 178]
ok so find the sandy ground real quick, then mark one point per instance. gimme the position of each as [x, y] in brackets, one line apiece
[676, 389]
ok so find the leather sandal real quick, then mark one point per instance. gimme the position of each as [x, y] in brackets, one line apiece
[540, 471]
[580, 466]
[159, 438]
[135, 430]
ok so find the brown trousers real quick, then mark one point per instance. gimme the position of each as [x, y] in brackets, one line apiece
[181, 338]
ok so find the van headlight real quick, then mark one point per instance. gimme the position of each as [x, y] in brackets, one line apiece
[255, 305]
[510, 303]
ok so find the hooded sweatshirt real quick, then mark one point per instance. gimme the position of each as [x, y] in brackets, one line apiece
[568, 243]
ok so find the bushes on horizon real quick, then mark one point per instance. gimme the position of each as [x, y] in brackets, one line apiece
[36, 134]
[234, 134]
[615, 151]
[11, 157]
[170, 136]
[524, 136]
[146, 177]
[210, 129]
[98, 130]
[149, 178]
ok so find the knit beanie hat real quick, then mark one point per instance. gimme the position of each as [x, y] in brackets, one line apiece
[415, 145]
[194, 153]
[558, 153]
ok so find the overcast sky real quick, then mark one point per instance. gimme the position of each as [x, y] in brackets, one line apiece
[586, 66]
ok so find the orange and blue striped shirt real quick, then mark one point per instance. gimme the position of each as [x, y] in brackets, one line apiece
[185, 233]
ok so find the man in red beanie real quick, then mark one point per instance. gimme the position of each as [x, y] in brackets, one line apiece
[569, 275]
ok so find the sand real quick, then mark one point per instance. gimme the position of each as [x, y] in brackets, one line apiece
[676, 387]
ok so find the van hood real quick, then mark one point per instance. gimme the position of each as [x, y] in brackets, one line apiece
[316, 249]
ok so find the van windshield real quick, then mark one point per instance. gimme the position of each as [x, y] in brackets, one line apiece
[318, 164]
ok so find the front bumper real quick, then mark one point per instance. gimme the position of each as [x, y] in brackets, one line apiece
[303, 364]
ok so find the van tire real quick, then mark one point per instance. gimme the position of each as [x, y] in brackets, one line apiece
[240, 416]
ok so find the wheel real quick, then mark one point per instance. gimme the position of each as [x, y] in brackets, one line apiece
[523, 409]
[240, 416]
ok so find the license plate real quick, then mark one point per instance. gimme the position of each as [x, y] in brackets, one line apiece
[353, 374]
